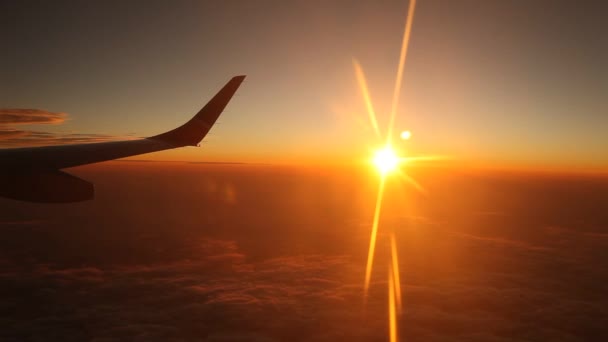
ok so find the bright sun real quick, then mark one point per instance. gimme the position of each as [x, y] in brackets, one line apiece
[386, 160]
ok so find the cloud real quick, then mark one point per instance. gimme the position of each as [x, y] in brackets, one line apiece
[225, 274]
[17, 116]
[219, 294]
[35, 138]
[502, 242]
[11, 137]
[6, 134]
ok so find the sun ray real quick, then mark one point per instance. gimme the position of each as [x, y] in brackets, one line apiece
[404, 176]
[366, 96]
[392, 315]
[426, 158]
[402, 58]
[374, 234]
[387, 161]
[395, 270]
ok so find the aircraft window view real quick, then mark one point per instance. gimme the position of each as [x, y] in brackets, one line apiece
[401, 170]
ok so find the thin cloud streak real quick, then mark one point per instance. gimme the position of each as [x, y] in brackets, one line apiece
[19, 116]
[11, 137]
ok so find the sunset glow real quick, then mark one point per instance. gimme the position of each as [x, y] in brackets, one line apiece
[367, 171]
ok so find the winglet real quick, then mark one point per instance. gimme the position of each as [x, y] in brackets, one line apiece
[193, 131]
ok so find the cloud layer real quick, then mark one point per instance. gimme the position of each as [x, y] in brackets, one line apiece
[161, 255]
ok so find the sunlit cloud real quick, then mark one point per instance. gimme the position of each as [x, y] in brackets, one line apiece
[11, 133]
[35, 138]
[18, 116]
[11, 137]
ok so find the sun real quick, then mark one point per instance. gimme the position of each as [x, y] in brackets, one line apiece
[386, 160]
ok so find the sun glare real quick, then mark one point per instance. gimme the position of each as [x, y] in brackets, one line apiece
[386, 160]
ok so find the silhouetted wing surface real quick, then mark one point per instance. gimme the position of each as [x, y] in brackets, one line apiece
[32, 173]
[63, 156]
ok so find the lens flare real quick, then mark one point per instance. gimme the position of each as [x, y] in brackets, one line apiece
[395, 270]
[392, 314]
[374, 234]
[387, 161]
[402, 58]
[366, 97]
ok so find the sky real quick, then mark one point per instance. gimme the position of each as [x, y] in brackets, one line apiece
[489, 82]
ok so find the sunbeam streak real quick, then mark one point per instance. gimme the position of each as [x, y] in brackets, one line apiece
[387, 161]
[374, 235]
[402, 58]
[395, 270]
[411, 181]
[427, 158]
[366, 97]
[392, 314]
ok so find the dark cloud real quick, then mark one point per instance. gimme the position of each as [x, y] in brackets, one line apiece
[502, 242]
[159, 258]
[222, 296]
[219, 296]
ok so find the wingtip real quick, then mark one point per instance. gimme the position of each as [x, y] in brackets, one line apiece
[192, 132]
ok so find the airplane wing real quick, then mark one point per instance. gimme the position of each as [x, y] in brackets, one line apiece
[32, 173]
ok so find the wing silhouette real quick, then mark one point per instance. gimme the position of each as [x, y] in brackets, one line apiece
[32, 173]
